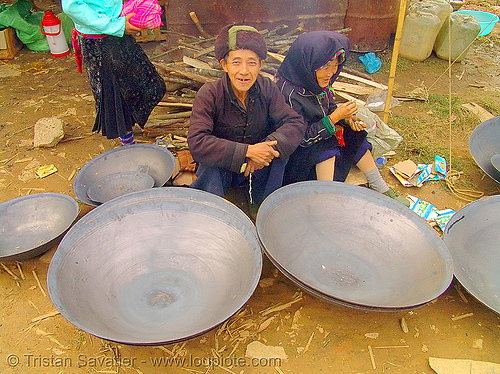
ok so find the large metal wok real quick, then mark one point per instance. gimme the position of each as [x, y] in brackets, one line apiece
[156, 266]
[353, 246]
[484, 146]
[157, 161]
[32, 224]
[473, 237]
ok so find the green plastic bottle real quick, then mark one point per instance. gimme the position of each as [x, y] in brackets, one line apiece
[419, 33]
[444, 7]
[464, 29]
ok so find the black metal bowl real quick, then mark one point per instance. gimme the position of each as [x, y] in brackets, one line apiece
[157, 161]
[353, 246]
[32, 224]
[473, 237]
[156, 266]
[484, 145]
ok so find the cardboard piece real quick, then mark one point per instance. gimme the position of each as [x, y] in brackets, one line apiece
[182, 177]
[406, 168]
[459, 366]
[430, 213]
[356, 177]
[423, 208]
[411, 175]
[9, 44]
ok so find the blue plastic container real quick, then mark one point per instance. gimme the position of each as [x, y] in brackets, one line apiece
[486, 20]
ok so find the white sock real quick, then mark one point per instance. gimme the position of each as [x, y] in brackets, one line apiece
[376, 181]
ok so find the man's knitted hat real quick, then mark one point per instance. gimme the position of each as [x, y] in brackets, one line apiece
[233, 37]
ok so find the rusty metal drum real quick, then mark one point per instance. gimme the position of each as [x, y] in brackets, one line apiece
[372, 22]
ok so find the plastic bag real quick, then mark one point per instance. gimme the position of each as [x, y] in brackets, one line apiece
[376, 101]
[27, 24]
[372, 63]
[382, 138]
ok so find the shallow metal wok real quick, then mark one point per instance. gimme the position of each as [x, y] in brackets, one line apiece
[156, 266]
[32, 224]
[157, 161]
[484, 145]
[119, 184]
[353, 246]
[473, 237]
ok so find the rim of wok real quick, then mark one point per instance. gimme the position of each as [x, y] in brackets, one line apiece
[481, 137]
[33, 251]
[136, 198]
[377, 198]
[470, 282]
[80, 185]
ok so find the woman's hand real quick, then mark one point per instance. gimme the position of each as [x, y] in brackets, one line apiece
[129, 28]
[344, 111]
[356, 123]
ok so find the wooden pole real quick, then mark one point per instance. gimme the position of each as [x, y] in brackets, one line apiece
[394, 59]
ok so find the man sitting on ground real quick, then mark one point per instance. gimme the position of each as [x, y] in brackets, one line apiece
[241, 129]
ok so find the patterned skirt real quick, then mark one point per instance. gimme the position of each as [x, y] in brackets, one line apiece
[125, 84]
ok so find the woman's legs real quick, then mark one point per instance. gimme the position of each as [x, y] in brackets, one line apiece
[325, 170]
[127, 139]
[375, 180]
[367, 165]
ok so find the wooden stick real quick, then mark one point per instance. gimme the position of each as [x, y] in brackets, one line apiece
[458, 287]
[72, 175]
[363, 80]
[184, 105]
[179, 70]
[48, 315]
[392, 346]
[352, 88]
[197, 23]
[20, 269]
[3, 162]
[205, 51]
[23, 129]
[176, 99]
[276, 56]
[394, 59]
[171, 115]
[370, 350]
[10, 272]
[195, 63]
[350, 98]
[308, 342]
[280, 307]
[462, 316]
[39, 284]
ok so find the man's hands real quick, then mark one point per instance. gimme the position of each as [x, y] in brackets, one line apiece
[129, 28]
[260, 155]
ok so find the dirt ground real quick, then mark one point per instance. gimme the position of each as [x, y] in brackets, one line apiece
[316, 336]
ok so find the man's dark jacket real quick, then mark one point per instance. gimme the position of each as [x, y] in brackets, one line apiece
[221, 128]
